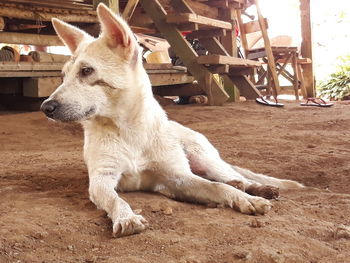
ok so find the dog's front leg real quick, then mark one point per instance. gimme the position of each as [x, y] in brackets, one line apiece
[104, 196]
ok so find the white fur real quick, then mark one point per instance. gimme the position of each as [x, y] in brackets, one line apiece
[129, 142]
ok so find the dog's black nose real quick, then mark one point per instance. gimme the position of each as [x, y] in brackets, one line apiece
[48, 107]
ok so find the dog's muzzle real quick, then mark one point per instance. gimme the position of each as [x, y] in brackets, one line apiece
[49, 107]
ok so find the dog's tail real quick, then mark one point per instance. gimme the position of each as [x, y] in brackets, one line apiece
[267, 180]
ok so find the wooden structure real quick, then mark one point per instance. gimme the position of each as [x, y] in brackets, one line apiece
[277, 57]
[212, 22]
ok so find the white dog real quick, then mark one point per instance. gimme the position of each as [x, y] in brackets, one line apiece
[130, 144]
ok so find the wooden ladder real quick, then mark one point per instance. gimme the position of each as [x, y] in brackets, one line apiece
[222, 58]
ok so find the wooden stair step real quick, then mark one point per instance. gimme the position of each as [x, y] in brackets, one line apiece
[228, 60]
[186, 18]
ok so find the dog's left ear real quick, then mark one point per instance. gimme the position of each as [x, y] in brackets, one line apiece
[114, 29]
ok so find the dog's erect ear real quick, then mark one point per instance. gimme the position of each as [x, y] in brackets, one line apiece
[70, 35]
[114, 28]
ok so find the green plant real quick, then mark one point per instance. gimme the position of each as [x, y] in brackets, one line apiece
[337, 87]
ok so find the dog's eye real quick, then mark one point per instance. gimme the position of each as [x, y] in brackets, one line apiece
[86, 71]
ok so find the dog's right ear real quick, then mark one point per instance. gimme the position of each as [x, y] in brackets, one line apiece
[114, 29]
[70, 35]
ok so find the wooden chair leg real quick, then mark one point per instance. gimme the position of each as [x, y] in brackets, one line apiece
[301, 81]
[295, 76]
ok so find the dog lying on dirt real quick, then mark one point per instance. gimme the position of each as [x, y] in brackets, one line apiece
[130, 144]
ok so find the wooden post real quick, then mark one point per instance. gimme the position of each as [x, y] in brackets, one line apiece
[268, 50]
[2, 23]
[306, 47]
[112, 4]
[230, 43]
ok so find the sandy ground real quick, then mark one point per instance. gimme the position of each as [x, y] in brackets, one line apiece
[46, 216]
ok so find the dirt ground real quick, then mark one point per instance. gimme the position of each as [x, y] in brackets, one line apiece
[46, 216]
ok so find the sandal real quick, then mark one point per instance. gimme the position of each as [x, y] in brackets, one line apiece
[266, 102]
[316, 102]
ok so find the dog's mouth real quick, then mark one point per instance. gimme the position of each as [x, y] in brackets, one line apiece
[66, 113]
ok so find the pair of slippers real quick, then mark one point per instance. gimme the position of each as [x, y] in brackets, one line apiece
[309, 102]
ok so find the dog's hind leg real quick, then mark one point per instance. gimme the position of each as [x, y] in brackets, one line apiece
[205, 161]
[181, 184]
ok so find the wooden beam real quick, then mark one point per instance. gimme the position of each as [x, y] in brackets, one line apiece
[29, 39]
[129, 9]
[47, 16]
[306, 47]
[184, 50]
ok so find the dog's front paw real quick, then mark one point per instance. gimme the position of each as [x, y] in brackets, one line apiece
[128, 226]
[261, 205]
[253, 205]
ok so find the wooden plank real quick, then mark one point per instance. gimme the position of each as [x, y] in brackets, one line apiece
[254, 26]
[27, 66]
[306, 47]
[40, 87]
[129, 9]
[29, 39]
[148, 66]
[193, 18]
[29, 14]
[232, 61]
[246, 87]
[184, 50]
[170, 79]
[24, 74]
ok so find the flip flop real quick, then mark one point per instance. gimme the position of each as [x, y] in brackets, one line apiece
[266, 102]
[316, 103]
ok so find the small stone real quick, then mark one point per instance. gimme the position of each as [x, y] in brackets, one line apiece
[70, 247]
[243, 255]
[168, 211]
[255, 223]
[342, 232]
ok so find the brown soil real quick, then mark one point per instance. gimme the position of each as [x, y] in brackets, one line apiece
[46, 216]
